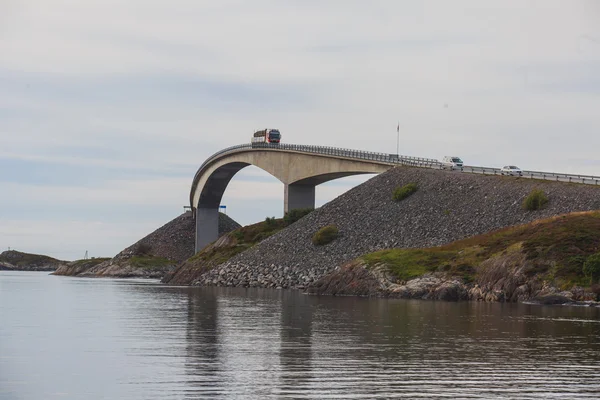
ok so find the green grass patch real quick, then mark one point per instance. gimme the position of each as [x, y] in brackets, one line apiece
[252, 234]
[400, 193]
[20, 259]
[406, 264]
[243, 239]
[89, 262]
[536, 200]
[294, 215]
[149, 262]
[325, 235]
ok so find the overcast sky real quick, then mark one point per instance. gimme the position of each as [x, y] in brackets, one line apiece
[108, 107]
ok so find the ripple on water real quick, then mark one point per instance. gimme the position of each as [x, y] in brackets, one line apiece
[115, 339]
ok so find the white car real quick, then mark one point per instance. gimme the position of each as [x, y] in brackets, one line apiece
[511, 170]
[452, 162]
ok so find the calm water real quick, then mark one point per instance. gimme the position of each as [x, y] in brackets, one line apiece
[73, 338]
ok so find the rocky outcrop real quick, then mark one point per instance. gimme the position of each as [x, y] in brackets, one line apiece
[152, 256]
[500, 279]
[447, 206]
[75, 268]
[12, 260]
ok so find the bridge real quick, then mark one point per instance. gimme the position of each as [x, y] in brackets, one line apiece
[301, 168]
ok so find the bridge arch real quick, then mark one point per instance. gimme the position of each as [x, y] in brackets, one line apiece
[300, 168]
[300, 173]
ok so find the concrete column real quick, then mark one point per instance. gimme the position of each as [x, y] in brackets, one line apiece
[207, 226]
[298, 196]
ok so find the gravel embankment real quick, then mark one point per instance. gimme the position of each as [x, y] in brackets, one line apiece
[448, 206]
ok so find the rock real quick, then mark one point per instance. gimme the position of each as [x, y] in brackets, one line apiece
[12, 260]
[551, 299]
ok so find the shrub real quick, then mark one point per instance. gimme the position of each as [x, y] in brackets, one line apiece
[400, 193]
[270, 222]
[591, 267]
[238, 235]
[536, 200]
[326, 234]
[294, 215]
[596, 290]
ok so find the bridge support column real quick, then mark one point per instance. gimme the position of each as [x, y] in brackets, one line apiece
[298, 196]
[207, 226]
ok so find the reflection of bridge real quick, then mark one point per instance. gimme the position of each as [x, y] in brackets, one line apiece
[299, 167]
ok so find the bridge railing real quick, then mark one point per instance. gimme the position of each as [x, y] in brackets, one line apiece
[326, 150]
[392, 159]
[547, 176]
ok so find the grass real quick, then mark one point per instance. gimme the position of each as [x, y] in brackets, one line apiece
[409, 264]
[294, 215]
[555, 248]
[400, 193]
[243, 239]
[90, 261]
[252, 234]
[149, 262]
[24, 259]
[536, 200]
[325, 235]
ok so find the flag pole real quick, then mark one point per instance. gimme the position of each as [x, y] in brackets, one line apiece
[398, 140]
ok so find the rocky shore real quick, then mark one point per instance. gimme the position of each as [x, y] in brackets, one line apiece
[512, 285]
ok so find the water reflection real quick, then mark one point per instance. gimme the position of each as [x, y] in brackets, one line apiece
[295, 347]
[202, 345]
[100, 339]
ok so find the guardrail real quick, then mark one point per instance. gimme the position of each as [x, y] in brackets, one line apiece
[392, 159]
[547, 176]
[324, 150]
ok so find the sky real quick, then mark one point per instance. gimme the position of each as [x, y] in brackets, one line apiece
[108, 108]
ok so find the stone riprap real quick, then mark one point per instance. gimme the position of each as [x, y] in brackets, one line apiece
[447, 206]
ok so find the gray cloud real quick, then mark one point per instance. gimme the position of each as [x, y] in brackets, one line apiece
[119, 102]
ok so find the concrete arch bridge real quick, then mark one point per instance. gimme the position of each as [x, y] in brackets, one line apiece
[299, 167]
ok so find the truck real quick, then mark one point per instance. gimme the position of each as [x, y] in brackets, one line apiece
[266, 136]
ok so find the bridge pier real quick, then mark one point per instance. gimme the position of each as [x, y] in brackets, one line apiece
[207, 226]
[298, 196]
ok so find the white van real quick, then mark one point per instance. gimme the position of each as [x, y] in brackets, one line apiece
[452, 162]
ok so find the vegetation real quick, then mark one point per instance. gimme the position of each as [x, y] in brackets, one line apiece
[294, 215]
[90, 262]
[326, 234]
[536, 200]
[591, 267]
[270, 221]
[20, 259]
[150, 262]
[556, 249]
[241, 239]
[400, 193]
